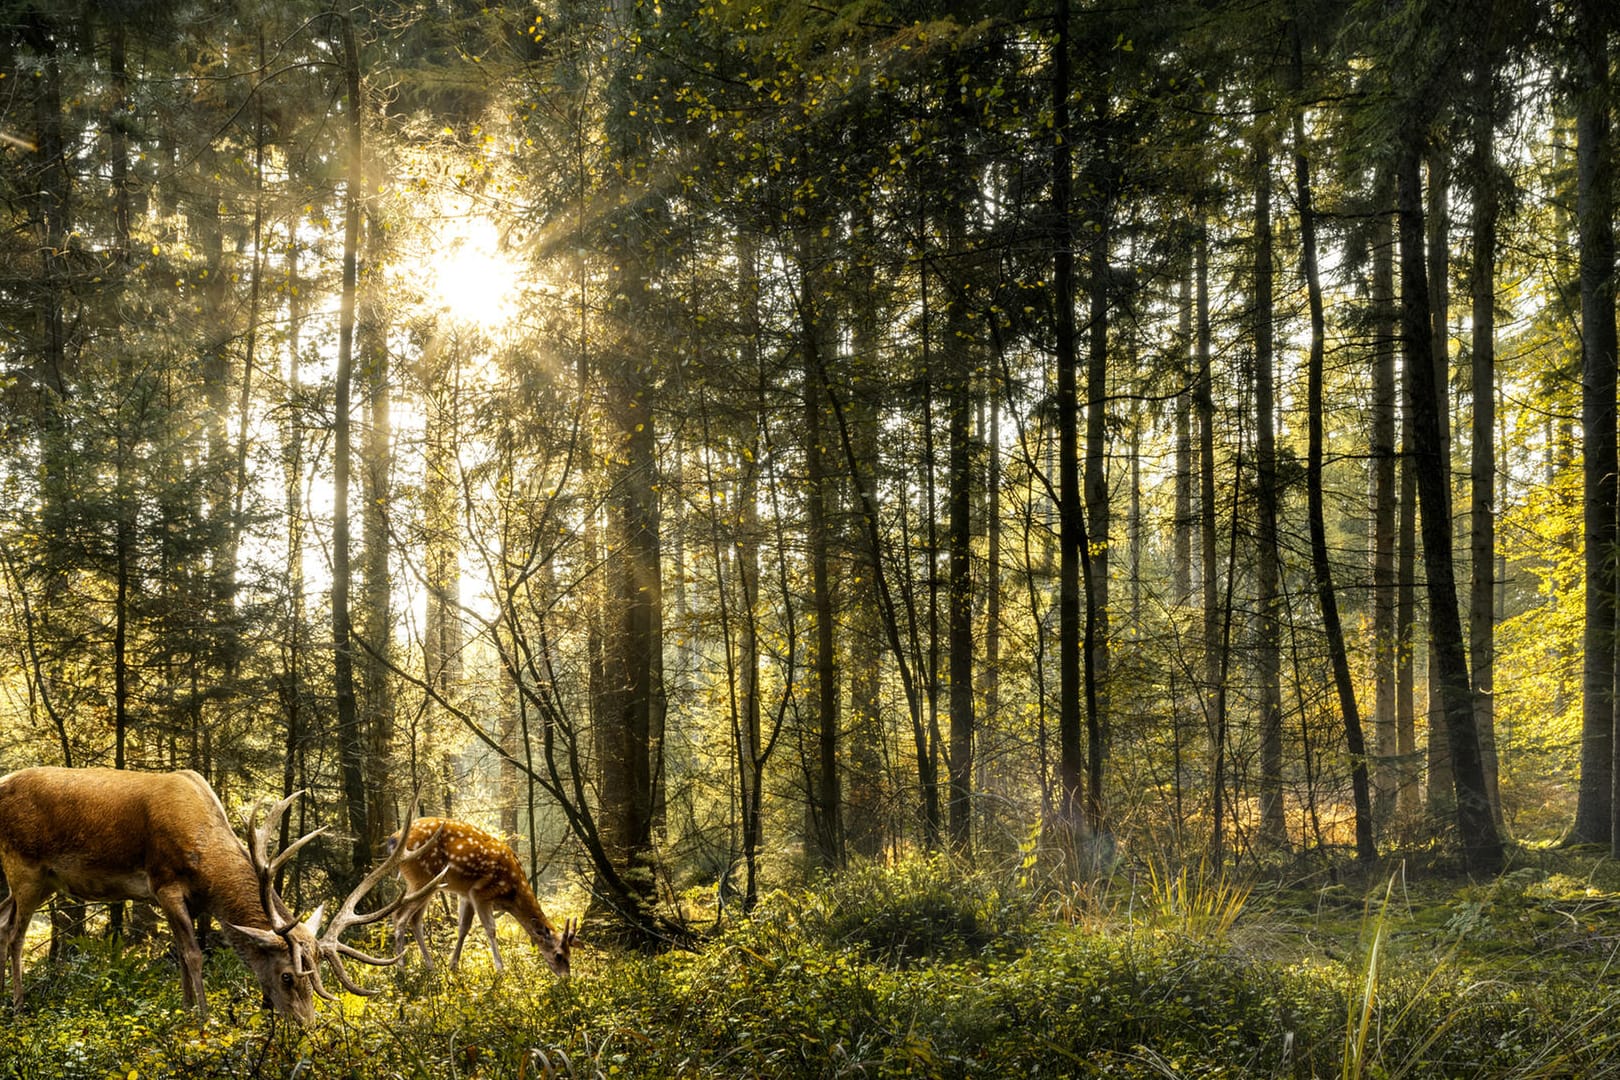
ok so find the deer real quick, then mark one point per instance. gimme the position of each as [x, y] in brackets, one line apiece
[111, 835]
[484, 871]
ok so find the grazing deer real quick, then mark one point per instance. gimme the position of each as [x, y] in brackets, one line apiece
[485, 872]
[108, 834]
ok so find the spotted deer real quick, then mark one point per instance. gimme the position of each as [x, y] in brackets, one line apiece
[109, 834]
[484, 871]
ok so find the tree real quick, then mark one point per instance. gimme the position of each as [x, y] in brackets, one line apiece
[1594, 215]
[1327, 599]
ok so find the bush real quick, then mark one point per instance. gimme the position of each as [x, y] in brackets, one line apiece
[910, 970]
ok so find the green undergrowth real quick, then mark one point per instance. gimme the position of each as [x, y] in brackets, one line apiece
[923, 970]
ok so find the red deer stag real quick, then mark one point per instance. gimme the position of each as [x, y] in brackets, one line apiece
[485, 872]
[108, 834]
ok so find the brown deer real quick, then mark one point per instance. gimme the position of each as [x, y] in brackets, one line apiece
[108, 834]
[485, 872]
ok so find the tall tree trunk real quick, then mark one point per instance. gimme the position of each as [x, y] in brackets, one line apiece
[990, 674]
[1322, 571]
[441, 572]
[1268, 599]
[1594, 162]
[1409, 800]
[1182, 522]
[1099, 514]
[1071, 527]
[1476, 830]
[1385, 497]
[376, 692]
[864, 797]
[124, 540]
[1482, 479]
[1441, 779]
[751, 753]
[827, 805]
[292, 462]
[351, 739]
[959, 617]
[1214, 662]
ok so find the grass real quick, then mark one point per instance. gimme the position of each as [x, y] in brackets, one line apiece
[925, 970]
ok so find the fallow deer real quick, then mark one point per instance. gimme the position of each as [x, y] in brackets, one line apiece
[109, 834]
[485, 872]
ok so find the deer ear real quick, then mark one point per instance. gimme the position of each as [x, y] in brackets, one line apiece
[265, 939]
[313, 923]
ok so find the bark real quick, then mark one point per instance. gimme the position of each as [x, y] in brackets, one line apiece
[1099, 514]
[376, 692]
[1441, 781]
[1071, 527]
[1596, 804]
[1482, 474]
[826, 805]
[959, 616]
[1204, 407]
[1385, 498]
[865, 798]
[351, 738]
[1181, 526]
[1268, 659]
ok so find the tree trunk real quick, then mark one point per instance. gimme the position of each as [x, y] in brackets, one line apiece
[1594, 152]
[864, 797]
[1322, 571]
[351, 739]
[827, 804]
[959, 616]
[376, 691]
[1441, 780]
[1268, 599]
[1071, 527]
[1099, 514]
[1476, 830]
[1482, 474]
[1409, 767]
[1385, 498]
[1182, 524]
[442, 631]
[1204, 407]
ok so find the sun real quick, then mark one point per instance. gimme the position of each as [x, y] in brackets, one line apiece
[469, 276]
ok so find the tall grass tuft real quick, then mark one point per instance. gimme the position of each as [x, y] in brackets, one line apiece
[1201, 904]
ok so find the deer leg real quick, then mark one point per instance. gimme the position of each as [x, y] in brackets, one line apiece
[412, 915]
[486, 915]
[25, 898]
[7, 909]
[172, 900]
[464, 918]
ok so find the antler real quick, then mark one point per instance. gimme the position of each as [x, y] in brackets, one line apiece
[346, 917]
[266, 868]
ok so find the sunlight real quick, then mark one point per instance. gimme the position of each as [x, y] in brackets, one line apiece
[469, 276]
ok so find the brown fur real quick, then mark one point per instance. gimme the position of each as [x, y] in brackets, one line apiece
[106, 834]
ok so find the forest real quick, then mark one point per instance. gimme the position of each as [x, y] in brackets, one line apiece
[923, 507]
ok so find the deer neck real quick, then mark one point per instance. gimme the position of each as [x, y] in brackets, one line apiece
[233, 894]
[526, 908]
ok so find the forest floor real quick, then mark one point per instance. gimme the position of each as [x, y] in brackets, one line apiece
[923, 969]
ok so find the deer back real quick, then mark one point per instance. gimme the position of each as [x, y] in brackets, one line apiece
[107, 834]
